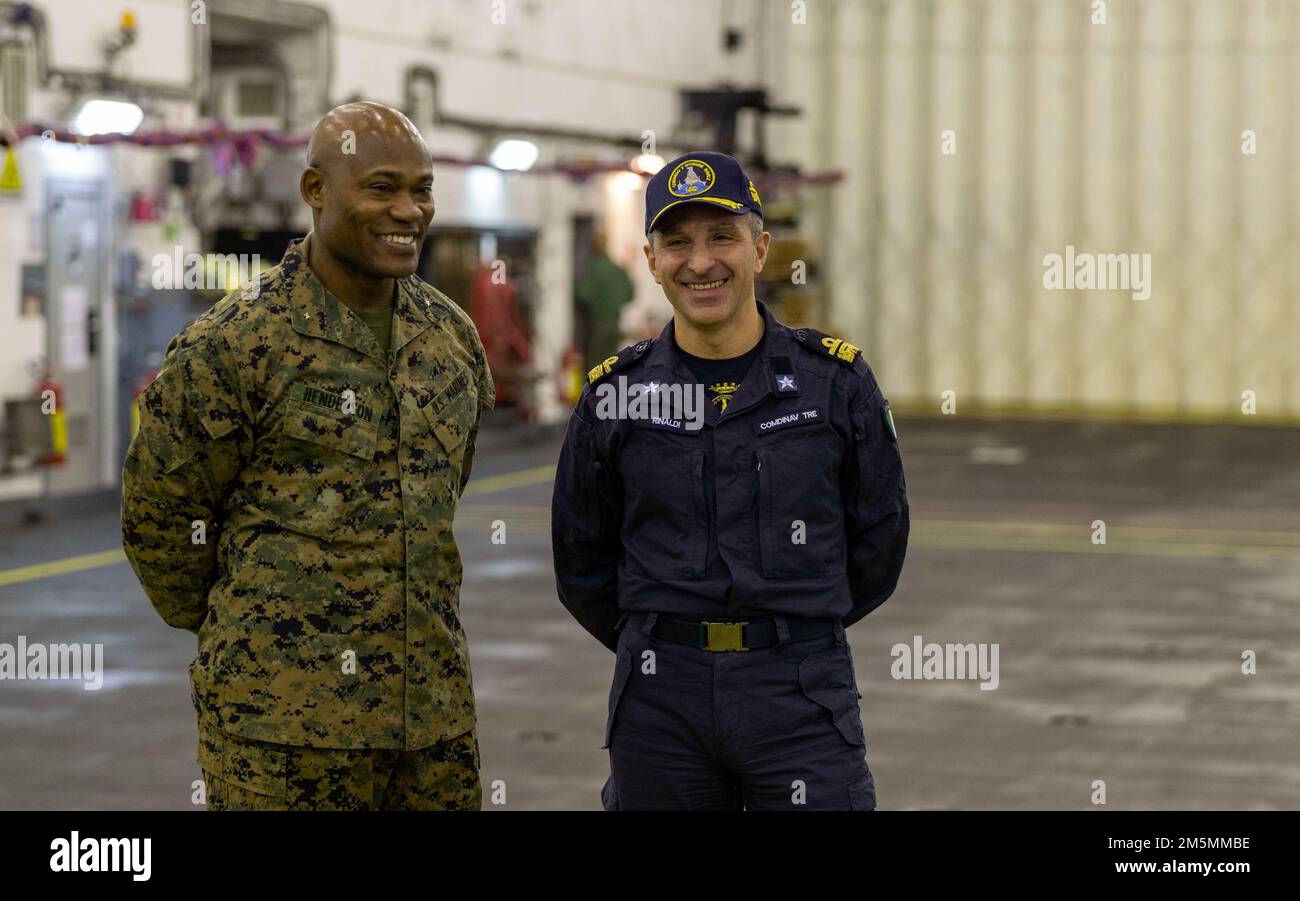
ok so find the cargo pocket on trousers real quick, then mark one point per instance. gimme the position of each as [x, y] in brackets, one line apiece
[253, 766]
[608, 796]
[622, 671]
[194, 694]
[862, 794]
[827, 680]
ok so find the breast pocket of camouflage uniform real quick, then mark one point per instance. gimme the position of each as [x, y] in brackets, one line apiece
[321, 464]
[450, 415]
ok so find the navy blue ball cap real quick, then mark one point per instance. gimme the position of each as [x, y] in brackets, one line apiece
[701, 176]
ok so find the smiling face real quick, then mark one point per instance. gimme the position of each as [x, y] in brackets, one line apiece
[370, 186]
[705, 259]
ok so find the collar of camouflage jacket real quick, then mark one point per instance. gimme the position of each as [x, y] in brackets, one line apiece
[318, 313]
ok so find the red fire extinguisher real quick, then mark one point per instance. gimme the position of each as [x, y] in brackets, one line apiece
[50, 391]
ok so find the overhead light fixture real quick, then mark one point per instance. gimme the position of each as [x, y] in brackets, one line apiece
[107, 117]
[649, 163]
[513, 154]
[628, 181]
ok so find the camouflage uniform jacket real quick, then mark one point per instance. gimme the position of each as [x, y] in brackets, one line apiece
[289, 497]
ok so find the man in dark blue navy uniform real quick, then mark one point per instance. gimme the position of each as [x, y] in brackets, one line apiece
[722, 559]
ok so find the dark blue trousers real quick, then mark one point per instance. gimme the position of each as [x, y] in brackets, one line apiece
[768, 729]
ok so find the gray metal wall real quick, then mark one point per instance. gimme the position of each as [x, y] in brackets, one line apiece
[1125, 136]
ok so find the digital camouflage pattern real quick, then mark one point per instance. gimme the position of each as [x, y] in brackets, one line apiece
[326, 473]
[240, 774]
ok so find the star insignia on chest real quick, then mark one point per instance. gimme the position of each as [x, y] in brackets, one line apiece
[653, 387]
[785, 383]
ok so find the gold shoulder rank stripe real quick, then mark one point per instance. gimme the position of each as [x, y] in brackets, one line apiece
[601, 369]
[836, 348]
[840, 349]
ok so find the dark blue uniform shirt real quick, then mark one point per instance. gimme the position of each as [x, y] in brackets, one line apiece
[808, 516]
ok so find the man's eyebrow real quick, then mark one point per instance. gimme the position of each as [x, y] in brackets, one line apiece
[394, 175]
[714, 228]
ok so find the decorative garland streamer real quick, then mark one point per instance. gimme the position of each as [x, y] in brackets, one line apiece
[246, 145]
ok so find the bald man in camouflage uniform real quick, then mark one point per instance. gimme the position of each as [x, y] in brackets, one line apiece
[289, 499]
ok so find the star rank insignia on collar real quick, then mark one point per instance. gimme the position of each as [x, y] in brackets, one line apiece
[783, 374]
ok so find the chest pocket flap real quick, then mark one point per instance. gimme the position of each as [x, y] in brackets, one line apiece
[452, 412]
[347, 434]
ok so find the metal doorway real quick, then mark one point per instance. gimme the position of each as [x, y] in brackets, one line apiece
[77, 243]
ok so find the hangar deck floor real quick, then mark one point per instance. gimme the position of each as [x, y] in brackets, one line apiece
[1120, 663]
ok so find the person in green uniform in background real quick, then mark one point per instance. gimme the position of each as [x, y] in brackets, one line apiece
[603, 289]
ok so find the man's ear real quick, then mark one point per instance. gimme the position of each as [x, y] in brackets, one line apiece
[650, 261]
[312, 187]
[760, 251]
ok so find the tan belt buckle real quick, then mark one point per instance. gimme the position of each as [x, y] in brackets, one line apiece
[725, 636]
